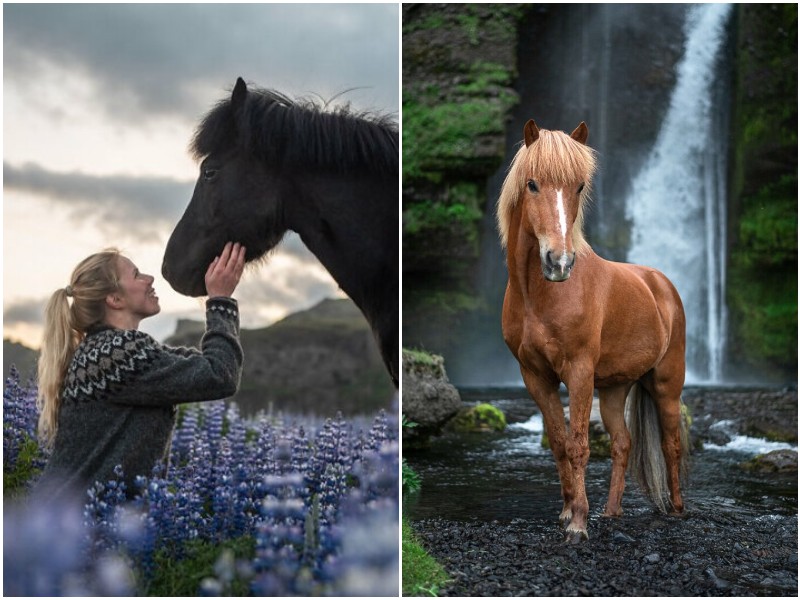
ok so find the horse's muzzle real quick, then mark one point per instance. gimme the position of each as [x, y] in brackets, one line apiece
[557, 268]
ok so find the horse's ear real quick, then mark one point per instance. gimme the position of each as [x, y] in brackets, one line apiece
[581, 133]
[531, 132]
[238, 95]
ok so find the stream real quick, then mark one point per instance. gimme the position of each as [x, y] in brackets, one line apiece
[489, 504]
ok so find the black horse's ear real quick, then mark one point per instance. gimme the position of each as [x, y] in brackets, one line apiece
[239, 94]
[581, 133]
[531, 132]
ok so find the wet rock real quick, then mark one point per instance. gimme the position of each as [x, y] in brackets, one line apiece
[777, 461]
[621, 538]
[720, 584]
[429, 399]
[653, 558]
[481, 418]
[721, 432]
[770, 414]
[686, 558]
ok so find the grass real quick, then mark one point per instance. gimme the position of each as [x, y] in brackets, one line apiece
[201, 560]
[422, 575]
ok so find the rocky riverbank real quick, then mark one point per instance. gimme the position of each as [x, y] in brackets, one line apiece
[719, 413]
[704, 554]
[487, 512]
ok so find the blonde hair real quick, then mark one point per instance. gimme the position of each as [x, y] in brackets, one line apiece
[554, 158]
[66, 325]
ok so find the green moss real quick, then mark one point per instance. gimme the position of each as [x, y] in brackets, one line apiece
[483, 417]
[762, 268]
[435, 138]
[762, 294]
[448, 303]
[422, 217]
[421, 357]
[457, 210]
[768, 227]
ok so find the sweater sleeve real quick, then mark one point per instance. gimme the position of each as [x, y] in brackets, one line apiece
[135, 369]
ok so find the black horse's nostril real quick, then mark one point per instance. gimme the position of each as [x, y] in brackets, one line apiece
[548, 259]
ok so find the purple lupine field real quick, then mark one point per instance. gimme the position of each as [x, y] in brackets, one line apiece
[275, 506]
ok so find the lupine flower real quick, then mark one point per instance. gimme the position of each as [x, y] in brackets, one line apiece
[319, 500]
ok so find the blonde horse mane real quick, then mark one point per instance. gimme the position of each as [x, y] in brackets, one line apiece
[554, 158]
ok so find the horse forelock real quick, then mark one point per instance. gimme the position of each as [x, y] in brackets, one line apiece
[300, 132]
[554, 159]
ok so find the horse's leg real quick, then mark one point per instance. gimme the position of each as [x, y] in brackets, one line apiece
[580, 406]
[546, 396]
[612, 411]
[667, 385]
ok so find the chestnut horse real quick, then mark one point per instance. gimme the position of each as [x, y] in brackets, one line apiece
[570, 316]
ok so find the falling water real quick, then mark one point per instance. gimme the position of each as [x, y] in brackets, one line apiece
[677, 201]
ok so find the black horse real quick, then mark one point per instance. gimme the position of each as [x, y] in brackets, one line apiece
[270, 164]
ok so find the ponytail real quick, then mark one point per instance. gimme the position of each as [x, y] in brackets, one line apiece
[58, 345]
[65, 326]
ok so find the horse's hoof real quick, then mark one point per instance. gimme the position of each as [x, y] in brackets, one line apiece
[574, 537]
[564, 518]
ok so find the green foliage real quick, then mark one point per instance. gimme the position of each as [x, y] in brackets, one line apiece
[16, 476]
[201, 559]
[768, 228]
[422, 575]
[412, 482]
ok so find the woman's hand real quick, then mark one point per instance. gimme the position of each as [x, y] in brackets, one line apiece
[225, 271]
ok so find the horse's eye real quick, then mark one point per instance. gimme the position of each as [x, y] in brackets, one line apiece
[580, 189]
[532, 186]
[209, 174]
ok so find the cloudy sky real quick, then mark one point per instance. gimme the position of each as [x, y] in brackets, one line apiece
[99, 105]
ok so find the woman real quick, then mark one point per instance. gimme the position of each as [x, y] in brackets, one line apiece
[107, 392]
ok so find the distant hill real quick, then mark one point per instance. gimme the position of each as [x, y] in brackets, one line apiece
[22, 357]
[318, 361]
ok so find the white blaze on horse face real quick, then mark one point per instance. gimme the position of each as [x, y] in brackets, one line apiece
[562, 221]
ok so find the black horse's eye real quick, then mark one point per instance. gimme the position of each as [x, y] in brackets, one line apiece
[209, 174]
[580, 189]
[532, 186]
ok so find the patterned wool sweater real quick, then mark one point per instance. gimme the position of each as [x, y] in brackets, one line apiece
[119, 396]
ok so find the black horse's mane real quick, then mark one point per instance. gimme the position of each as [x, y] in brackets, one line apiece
[300, 133]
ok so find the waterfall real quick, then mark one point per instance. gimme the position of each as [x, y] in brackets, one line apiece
[676, 205]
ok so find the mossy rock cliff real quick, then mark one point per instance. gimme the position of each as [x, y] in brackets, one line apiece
[762, 270]
[429, 399]
[459, 66]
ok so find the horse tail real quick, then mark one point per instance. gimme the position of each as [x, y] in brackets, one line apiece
[646, 459]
